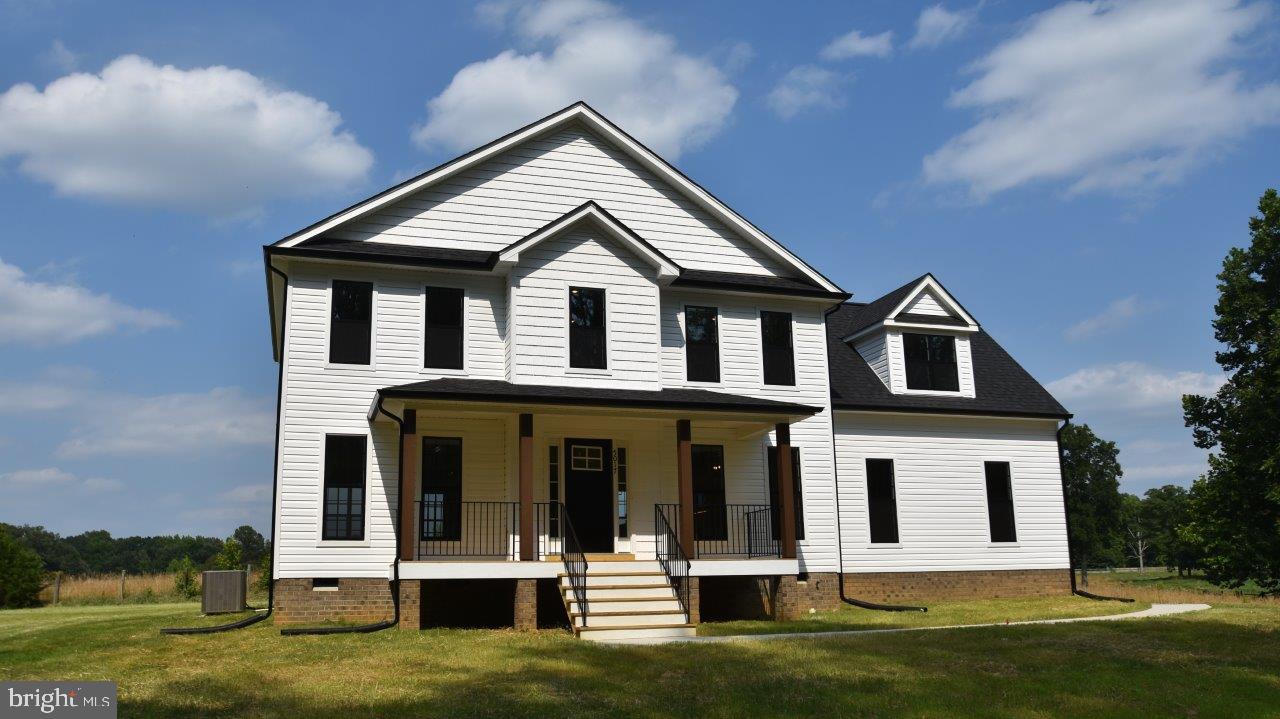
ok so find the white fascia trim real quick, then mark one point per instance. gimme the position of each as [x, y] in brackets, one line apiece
[928, 283]
[932, 328]
[667, 271]
[593, 120]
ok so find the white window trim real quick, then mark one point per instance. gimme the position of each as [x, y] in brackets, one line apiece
[683, 324]
[607, 370]
[373, 326]
[897, 501]
[466, 335]
[986, 503]
[368, 486]
[902, 351]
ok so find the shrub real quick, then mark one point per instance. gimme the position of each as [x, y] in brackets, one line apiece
[21, 574]
[231, 556]
[263, 581]
[185, 583]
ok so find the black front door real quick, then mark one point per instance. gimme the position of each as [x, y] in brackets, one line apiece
[588, 492]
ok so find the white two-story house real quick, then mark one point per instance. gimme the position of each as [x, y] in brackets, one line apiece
[555, 378]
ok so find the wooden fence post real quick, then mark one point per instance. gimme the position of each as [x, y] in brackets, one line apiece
[57, 586]
[122, 585]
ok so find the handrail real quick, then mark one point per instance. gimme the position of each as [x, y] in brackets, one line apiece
[672, 557]
[731, 530]
[575, 562]
[449, 528]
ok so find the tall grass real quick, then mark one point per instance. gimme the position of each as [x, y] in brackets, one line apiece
[1166, 588]
[138, 589]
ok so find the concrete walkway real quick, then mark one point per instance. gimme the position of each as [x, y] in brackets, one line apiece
[1156, 610]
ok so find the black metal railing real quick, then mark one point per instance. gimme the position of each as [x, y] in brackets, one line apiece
[468, 529]
[575, 562]
[671, 556]
[549, 530]
[730, 530]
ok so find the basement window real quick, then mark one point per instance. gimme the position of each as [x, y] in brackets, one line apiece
[325, 584]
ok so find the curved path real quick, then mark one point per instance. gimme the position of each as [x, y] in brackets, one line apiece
[1156, 610]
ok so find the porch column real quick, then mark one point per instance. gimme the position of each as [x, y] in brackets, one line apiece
[786, 492]
[684, 480]
[528, 542]
[408, 460]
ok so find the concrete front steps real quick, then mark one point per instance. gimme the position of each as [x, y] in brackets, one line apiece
[626, 600]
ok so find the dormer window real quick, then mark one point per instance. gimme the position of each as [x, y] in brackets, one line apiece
[931, 362]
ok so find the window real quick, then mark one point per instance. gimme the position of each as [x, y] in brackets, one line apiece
[779, 358]
[931, 362]
[588, 457]
[553, 489]
[774, 498]
[344, 467]
[586, 328]
[621, 464]
[709, 521]
[442, 335]
[442, 488]
[702, 343]
[1000, 502]
[882, 504]
[350, 321]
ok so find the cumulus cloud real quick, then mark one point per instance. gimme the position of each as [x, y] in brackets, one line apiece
[807, 87]
[937, 25]
[215, 140]
[1131, 386]
[581, 50]
[855, 44]
[1117, 315]
[51, 477]
[1108, 96]
[60, 57]
[40, 314]
[181, 423]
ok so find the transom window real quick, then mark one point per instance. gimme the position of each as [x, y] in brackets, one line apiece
[587, 340]
[350, 322]
[586, 457]
[702, 343]
[442, 334]
[931, 362]
[344, 472]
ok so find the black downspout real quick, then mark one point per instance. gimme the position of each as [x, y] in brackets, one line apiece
[275, 475]
[835, 476]
[395, 566]
[1066, 517]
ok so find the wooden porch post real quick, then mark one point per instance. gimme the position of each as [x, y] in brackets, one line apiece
[684, 480]
[528, 542]
[408, 498]
[786, 492]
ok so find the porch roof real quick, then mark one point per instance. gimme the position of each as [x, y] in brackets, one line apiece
[677, 398]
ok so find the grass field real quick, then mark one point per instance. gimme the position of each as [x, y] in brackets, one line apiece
[1219, 663]
[1159, 585]
[138, 589]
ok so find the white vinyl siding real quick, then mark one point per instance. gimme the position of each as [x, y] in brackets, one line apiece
[504, 199]
[926, 304]
[898, 366]
[941, 492]
[875, 350]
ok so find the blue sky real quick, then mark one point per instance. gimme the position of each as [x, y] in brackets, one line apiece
[1073, 172]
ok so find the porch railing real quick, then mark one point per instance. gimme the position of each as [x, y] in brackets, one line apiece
[549, 529]
[730, 530]
[468, 529]
[671, 556]
[575, 562]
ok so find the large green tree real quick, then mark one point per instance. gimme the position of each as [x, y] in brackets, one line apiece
[252, 543]
[1166, 512]
[1236, 504]
[21, 573]
[1091, 476]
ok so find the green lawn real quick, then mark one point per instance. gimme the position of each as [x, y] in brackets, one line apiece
[1165, 580]
[1221, 662]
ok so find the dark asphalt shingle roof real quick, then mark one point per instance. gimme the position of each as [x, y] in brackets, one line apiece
[1003, 386]
[754, 283]
[489, 390]
[387, 253]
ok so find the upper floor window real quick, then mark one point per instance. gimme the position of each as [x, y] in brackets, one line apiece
[344, 469]
[350, 322]
[882, 502]
[779, 357]
[586, 328]
[443, 332]
[702, 343]
[1000, 502]
[931, 362]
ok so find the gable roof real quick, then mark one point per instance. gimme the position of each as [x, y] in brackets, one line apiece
[1004, 388]
[584, 114]
[589, 211]
[889, 310]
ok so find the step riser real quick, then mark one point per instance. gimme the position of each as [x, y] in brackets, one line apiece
[626, 593]
[630, 620]
[597, 580]
[604, 567]
[666, 605]
[611, 634]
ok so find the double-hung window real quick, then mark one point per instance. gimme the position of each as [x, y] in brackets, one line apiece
[345, 462]
[779, 356]
[702, 343]
[350, 322]
[931, 362]
[442, 488]
[442, 334]
[882, 502]
[587, 338]
[1000, 502]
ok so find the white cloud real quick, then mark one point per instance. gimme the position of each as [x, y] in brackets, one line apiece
[247, 493]
[41, 313]
[806, 87]
[39, 396]
[100, 485]
[214, 139]
[1108, 96]
[1131, 386]
[581, 50]
[171, 424]
[937, 25]
[1165, 473]
[1117, 315]
[60, 57]
[855, 44]
[50, 477]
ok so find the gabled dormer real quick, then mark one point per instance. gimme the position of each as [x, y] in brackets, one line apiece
[917, 341]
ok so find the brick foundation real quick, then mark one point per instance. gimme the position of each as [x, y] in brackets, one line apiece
[933, 586]
[793, 598]
[695, 600]
[411, 604]
[526, 605]
[354, 600]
